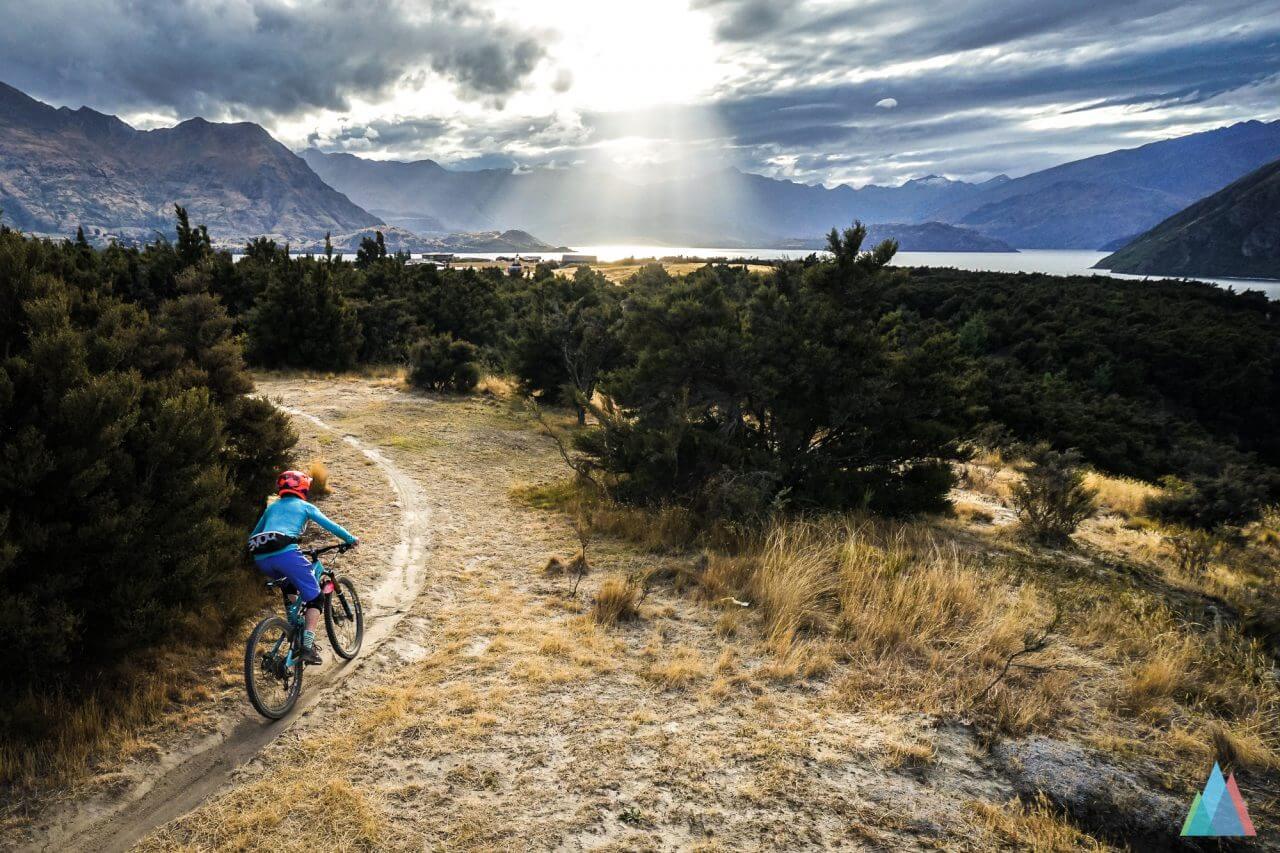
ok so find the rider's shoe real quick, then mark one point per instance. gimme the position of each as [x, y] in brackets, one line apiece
[311, 656]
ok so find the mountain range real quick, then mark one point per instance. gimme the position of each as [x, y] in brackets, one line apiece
[1086, 204]
[63, 168]
[1234, 232]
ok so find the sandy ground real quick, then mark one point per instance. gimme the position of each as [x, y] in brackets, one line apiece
[499, 716]
[488, 711]
[185, 757]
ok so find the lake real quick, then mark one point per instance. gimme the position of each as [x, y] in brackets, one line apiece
[1051, 261]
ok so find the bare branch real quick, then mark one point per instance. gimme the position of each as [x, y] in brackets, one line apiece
[1030, 645]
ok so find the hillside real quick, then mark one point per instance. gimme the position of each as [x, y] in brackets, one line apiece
[1234, 232]
[402, 240]
[1084, 204]
[62, 168]
[726, 207]
[925, 237]
[1089, 203]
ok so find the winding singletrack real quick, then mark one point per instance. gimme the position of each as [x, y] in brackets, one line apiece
[184, 781]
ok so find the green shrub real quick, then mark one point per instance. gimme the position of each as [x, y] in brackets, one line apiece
[302, 318]
[133, 459]
[440, 363]
[566, 336]
[1052, 499]
[1235, 495]
[739, 393]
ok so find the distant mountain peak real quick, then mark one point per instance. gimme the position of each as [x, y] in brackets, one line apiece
[931, 181]
[64, 167]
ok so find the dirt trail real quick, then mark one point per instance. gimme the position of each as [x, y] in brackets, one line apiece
[148, 793]
[500, 716]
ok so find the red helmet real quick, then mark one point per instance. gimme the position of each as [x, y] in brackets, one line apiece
[293, 483]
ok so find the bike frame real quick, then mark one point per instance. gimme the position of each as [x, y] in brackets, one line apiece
[293, 611]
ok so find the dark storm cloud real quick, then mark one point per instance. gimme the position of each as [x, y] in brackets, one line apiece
[742, 20]
[255, 57]
[966, 77]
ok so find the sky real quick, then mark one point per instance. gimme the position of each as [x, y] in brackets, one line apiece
[872, 91]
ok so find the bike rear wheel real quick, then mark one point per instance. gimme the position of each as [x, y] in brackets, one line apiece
[273, 684]
[344, 619]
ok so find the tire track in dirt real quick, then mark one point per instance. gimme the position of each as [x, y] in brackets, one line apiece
[183, 781]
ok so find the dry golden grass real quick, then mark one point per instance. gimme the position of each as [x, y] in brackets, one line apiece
[680, 668]
[501, 387]
[1121, 495]
[619, 271]
[301, 808]
[617, 600]
[1150, 683]
[1241, 746]
[920, 625]
[1036, 827]
[974, 513]
[908, 752]
[319, 479]
[101, 727]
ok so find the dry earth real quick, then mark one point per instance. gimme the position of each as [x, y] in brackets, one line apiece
[497, 714]
[500, 716]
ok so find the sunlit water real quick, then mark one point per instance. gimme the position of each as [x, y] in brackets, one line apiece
[1051, 261]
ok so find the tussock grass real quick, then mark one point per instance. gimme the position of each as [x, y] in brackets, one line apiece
[919, 624]
[1035, 826]
[1121, 495]
[680, 668]
[54, 737]
[319, 480]
[617, 600]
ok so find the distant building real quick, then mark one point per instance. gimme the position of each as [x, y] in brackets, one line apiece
[578, 259]
[433, 259]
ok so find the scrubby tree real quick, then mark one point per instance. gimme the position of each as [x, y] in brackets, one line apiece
[790, 385]
[302, 318]
[371, 250]
[440, 363]
[567, 336]
[1052, 499]
[1210, 500]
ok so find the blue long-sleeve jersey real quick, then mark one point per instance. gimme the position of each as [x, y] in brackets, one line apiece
[290, 515]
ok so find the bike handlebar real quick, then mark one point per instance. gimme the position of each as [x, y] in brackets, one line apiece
[340, 547]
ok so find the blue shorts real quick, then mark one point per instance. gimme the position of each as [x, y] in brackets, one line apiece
[292, 565]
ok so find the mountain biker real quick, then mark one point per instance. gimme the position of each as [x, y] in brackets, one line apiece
[274, 546]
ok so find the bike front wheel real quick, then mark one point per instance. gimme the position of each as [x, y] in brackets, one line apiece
[272, 678]
[344, 619]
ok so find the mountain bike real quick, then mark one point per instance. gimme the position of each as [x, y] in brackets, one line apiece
[273, 655]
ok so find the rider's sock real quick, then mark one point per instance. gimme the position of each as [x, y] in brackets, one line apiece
[308, 639]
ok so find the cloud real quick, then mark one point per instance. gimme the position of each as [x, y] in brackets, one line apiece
[257, 58]
[989, 85]
[801, 87]
[746, 20]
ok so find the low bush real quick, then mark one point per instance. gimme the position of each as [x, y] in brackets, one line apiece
[617, 601]
[1234, 495]
[440, 363]
[1052, 499]
[134, 461]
